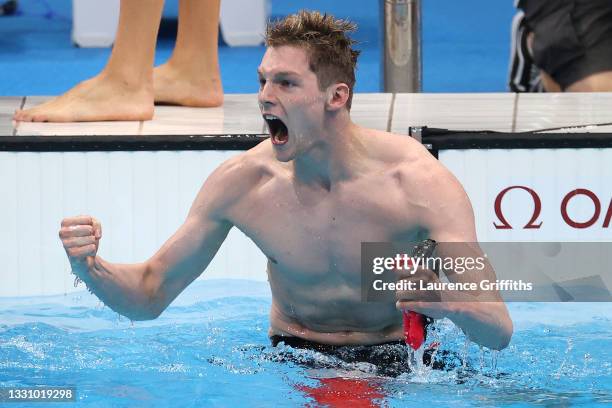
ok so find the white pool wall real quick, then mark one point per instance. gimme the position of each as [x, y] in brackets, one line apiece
[141, 198]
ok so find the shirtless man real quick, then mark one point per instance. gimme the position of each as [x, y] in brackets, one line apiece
[307, 197]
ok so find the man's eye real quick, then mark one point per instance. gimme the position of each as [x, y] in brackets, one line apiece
[286, 83]
[262, 82]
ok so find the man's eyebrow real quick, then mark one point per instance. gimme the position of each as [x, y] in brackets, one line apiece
[279, 74]
[286, 73]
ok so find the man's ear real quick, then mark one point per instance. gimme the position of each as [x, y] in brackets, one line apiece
[337, 96]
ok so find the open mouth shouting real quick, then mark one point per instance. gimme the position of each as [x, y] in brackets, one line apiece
[279, 134]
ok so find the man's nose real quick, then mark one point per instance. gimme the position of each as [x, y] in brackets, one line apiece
[266, 95]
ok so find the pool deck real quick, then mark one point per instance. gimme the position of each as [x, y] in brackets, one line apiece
[504, 112]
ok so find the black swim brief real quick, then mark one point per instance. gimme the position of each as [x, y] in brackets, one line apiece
[389, 359]
[572, 38]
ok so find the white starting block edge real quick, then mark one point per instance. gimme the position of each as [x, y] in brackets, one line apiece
[94, 22]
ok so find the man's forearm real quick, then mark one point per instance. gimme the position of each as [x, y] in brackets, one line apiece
[125, 288]
[485, 323]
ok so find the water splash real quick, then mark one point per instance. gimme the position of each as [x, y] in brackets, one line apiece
[153, 355]
[416, 362]
[560, 371]
[494, 354]
[587, 358]
[465, 352]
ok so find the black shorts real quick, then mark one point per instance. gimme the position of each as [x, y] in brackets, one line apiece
[389, 359]
[572, 38]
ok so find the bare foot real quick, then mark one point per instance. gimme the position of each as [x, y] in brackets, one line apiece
[100, 98]
[176, 87]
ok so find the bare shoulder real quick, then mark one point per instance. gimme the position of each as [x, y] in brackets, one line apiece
[234, 179]
[393, 148]
[409, 161]
[245, 169]
[429, 189]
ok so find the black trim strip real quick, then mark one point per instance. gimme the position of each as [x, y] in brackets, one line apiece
[439, 139]
[489, 140]
[129, 143]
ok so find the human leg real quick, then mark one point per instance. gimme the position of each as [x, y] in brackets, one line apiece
[571, 44]
[599, 82]
[124, 88]
[191, 76]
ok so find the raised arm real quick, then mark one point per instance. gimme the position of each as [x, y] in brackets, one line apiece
[142, 291]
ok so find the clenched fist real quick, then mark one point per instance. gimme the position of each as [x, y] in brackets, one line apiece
[80, 237]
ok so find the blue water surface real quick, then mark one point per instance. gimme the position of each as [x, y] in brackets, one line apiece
[211, 348]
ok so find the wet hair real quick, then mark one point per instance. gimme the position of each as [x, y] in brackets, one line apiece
[326, 42]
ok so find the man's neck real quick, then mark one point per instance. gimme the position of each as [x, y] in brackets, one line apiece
[337, 155]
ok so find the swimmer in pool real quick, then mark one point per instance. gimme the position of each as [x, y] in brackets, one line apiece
[308, 196]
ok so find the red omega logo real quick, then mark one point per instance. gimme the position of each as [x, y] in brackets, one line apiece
[537, 208]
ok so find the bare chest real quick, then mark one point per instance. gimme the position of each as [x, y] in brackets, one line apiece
[320, 234]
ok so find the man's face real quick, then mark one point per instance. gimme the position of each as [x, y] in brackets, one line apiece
[290, 101]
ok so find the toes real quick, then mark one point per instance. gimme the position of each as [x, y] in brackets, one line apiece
[32, 115]
[22, 116]
[40, 118]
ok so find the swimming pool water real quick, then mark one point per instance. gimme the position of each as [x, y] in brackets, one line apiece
[210, 348]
